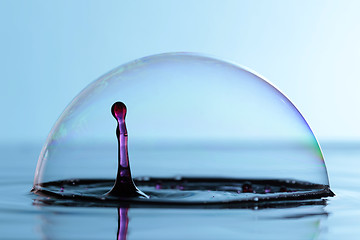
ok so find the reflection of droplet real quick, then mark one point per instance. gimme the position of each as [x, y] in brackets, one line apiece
[196, 123]
[123, 222]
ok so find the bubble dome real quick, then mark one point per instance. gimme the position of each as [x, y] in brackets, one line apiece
[189, 117]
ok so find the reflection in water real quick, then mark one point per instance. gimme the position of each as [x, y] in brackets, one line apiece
[300, 222]
[123, 221]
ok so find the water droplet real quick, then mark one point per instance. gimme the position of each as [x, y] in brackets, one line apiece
[247, 188]
[267, 189]
[124, 185]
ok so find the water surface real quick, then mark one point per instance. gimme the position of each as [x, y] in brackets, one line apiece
[22, 218]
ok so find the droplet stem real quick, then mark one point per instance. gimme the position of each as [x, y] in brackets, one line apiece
[124, 185]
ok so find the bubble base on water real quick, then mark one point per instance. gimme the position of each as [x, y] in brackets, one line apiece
[200, 192]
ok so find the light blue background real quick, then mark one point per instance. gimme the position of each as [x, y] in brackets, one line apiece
[50, 50]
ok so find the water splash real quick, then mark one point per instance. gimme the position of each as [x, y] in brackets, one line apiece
[124, 185]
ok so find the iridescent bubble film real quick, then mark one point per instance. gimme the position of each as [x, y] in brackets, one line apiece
[194, 123]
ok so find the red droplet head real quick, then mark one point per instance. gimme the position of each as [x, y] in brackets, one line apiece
[118, 110]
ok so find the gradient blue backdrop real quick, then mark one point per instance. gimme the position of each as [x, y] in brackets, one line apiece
[50, 50]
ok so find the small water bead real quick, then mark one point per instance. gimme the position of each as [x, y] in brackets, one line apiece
[198, 127]
[267, 189]
[247, 188]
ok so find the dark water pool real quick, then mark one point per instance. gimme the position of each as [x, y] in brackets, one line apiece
[22, 218]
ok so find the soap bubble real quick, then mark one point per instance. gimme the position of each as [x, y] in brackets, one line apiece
[190, 119]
